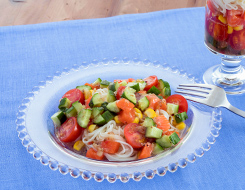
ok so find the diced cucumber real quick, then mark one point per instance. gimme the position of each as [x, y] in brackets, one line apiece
[112, 106]
[179, 117]
[143, 103]
[97, 82]
[99, 120]
[84, 87]
[128, 93]
[58, 118]
[153, 132]
[107, 115]
[96, 100]
[97, 111]
[166, 92]
[83, 117]
[148, 122]
[78, 106]
[71, 112]
[104, 105]
[154, 90]
[117, 85]
[104, 84]
[134, 85]
[164, 142]
[172, 108]
[142, 84]
[162, 84]
[64, 103]
[123, 83]
[112, 87]
[174, 138]
[157, 149]
[160, 97]
[111, 96]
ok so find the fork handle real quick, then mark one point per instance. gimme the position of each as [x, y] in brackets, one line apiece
[236, 110]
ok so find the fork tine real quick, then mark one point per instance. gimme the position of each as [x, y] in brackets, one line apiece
[197, 85]
[198, 100]
[192, 93]
[194, 89]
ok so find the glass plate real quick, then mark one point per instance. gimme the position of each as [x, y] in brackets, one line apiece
[35, 128]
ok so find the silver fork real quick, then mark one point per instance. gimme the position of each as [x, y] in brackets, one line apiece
[210, 95]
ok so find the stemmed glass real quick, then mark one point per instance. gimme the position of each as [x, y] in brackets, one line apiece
[225, 36]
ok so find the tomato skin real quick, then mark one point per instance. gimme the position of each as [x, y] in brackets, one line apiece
[135, 135]
[146, 151]
[215, 28]
[179, 100]
[237, 40]
[91, 153]
[110, 146]
[235, 17]
[74, 95]
[87, 102]
[120, 92]
[126, 116]
[70, 130]
[150, 81]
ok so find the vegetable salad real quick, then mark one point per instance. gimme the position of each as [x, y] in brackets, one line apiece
[121, 120]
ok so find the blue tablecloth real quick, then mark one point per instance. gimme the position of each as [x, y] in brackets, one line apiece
[30, 53]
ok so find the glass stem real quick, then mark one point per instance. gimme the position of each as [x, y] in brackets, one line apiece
[230, 66]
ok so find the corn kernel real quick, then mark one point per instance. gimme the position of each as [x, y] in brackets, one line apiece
[78, 145]
[180, 126]
[237, 28]
[138, 113]
[222, 19]
[136, 120]
[117, 120]
[87, 94]
[91, 128]
[150, 113]
[230, 30]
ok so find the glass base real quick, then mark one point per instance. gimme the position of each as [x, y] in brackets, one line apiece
[232, 84]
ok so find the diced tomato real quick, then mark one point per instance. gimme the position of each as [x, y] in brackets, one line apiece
[126, 116]
[135, 135]
[120, 92]
[110, 146]
[91, 153]
[162, 123]
[74, 95]
[69, 130]
[179, 100]
[87, 102]
[146, 151]
[150, 81]
[216, 28]
[154, 101]
[125, 104]
[127, 80]
[237, 40]
[235, 17]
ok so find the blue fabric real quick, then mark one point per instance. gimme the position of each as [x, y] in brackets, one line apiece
[30, 53]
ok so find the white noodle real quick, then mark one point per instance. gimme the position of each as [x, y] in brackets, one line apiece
[223, 5]
[111, 131]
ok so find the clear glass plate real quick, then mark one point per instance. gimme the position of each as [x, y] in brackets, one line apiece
[36, 130]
